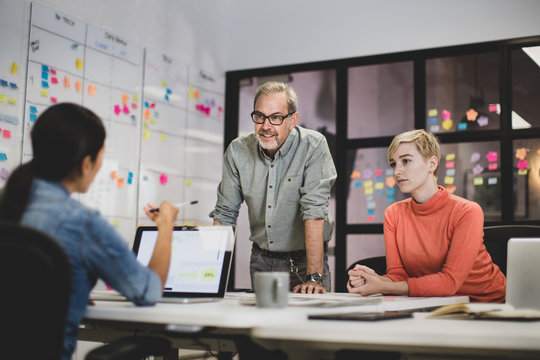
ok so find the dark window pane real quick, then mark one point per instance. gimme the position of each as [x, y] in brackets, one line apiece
[462, 93]
[526, 87]
[527, 179]
[471, 170]
[381, 100]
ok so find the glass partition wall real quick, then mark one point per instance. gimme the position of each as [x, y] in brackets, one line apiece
[481, 100]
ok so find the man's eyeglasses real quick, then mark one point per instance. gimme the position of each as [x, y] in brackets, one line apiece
[259, 118]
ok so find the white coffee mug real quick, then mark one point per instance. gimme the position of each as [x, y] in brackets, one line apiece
[272, 289]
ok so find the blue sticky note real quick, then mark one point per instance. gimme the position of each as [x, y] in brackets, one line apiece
[3, 156]
[146, 104]
[462, 126]
[390, 191]
[432, 121]
[357, 184]
[44, 68]
[130, 180]
[44, 84]
[13, 85]
[169, 91]
[166, 97]
[379, 179]
[379, 193]
[156, 114]
[33, 109]
[3, 82]
[390, 198]
[33, 117]
[130, 174]
[371, 212]
[45, 75]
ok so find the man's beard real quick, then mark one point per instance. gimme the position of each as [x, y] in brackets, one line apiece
[265, 144]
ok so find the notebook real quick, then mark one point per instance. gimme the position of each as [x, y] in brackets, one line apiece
[523, 273]
[200, 262]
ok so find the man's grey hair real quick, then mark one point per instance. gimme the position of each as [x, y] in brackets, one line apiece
[276, 87]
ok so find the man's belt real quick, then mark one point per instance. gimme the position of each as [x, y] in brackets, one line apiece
[280, 254]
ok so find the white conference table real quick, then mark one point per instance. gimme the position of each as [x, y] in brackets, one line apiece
[420, 336]
[218, 325]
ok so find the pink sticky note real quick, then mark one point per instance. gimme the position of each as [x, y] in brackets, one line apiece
[134, 105]
[446, 115]
[54, 80]
[492, 156]
[378, 172]
[53, 99]
[522, 164]
[117, 109]
[370, 218]
[7, 134]
[163, 179]
[53, 71]
[493, 107]
[449, 164]
[493, 166]
[125, 109]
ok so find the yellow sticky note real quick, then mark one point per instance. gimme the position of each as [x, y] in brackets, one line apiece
[522, 172]
[146, 134]
[379, 185]
[79, 64]
[188, 182]
[368, 190]
[368, 183]
[134, 97]
[432, 112]
[153, 120]
[116, 222]
[191, 92]
[44, 93]
[3, 98]
[163, 137]
[125, 99]
[447, 124]
[145, 124]
[478, 181]
[12, 101]
[164, 83]
[448, 180]
[14, 67]
[450, 157]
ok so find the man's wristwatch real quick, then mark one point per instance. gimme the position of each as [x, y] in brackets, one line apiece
[315, 277]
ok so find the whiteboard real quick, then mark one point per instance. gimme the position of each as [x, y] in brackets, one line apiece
[11, 85]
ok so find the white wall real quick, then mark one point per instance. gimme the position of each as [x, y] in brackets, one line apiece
[281, 32]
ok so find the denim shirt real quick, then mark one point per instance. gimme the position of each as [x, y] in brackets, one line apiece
[280, 193]
[95, 249]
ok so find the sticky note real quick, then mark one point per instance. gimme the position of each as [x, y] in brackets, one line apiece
[450, 172]
[146, 114]
[357, 184]
[482, 120]
[520, 172]
[66, 82]
[432, 112]
[450, 157]
[14, 67]
[135, 97]
[367, 173]
[379, 186]
[493, 108]
[91, 90]
[134, 105]
[378, 172]
[53, 71]
[33, 109]
[471, 114]
[450, 188]
[163, 137]
[390, 191]
[389, 198]
[3, 98]
[188, 182]
[434, 128]
[125, 109]
[44, 68]
[371, 218]
[522, 164]
[44, 75]
[145, 124]
[191, 92]
[432, 121]
[125, 99]
[475, 157]
[152, 120]
[446, 115]
[44, 93]
[6, 134]
[478, 169]
[168, 91]
[113, 174]
[462, 126]
[78, 86]
[33, 117]
[521, 153]
[492, 181]
[163, 179]
[54, 80]
[368, 183]
[478, 181]
[449, 180]
[368, 190]
[492, 156]
[13, 85]
[44, 84]
[117, 109]
[120, 182]
[355, 175]
[447, 124]
[493, 166]
[164, 83]
[390, 181]
[196, 94]
[54, 99]
[116, 223]
[3, 156]
[146, 134]
[449, 164]
[4, 173]
[371, 212]
[79, 64]
[12, 101]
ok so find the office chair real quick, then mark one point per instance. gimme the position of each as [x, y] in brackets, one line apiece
[496, 239]
[377, 263]
[35, 274]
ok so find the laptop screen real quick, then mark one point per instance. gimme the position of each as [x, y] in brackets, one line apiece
[200, 259]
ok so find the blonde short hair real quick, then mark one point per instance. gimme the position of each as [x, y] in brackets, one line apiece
[427, 144]
[276, 87]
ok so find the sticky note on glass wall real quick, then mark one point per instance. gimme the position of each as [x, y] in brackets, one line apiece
[78, 86]
[146, 134]
[432, 112]
[163, 179]
[14, 67]
[379, 185]
[91, 89]
[44, 93]
[79, 64]
[478, 181]
[448, 180]
[450, 157]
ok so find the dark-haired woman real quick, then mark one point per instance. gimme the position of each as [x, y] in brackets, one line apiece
[68, 146]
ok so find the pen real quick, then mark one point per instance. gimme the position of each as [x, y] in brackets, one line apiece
[178, 205]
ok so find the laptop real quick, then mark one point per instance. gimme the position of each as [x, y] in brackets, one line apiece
[523, 273]
[200, 263]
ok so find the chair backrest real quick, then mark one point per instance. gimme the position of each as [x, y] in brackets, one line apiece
[377, 263]
[35, 275]
[496, 240]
